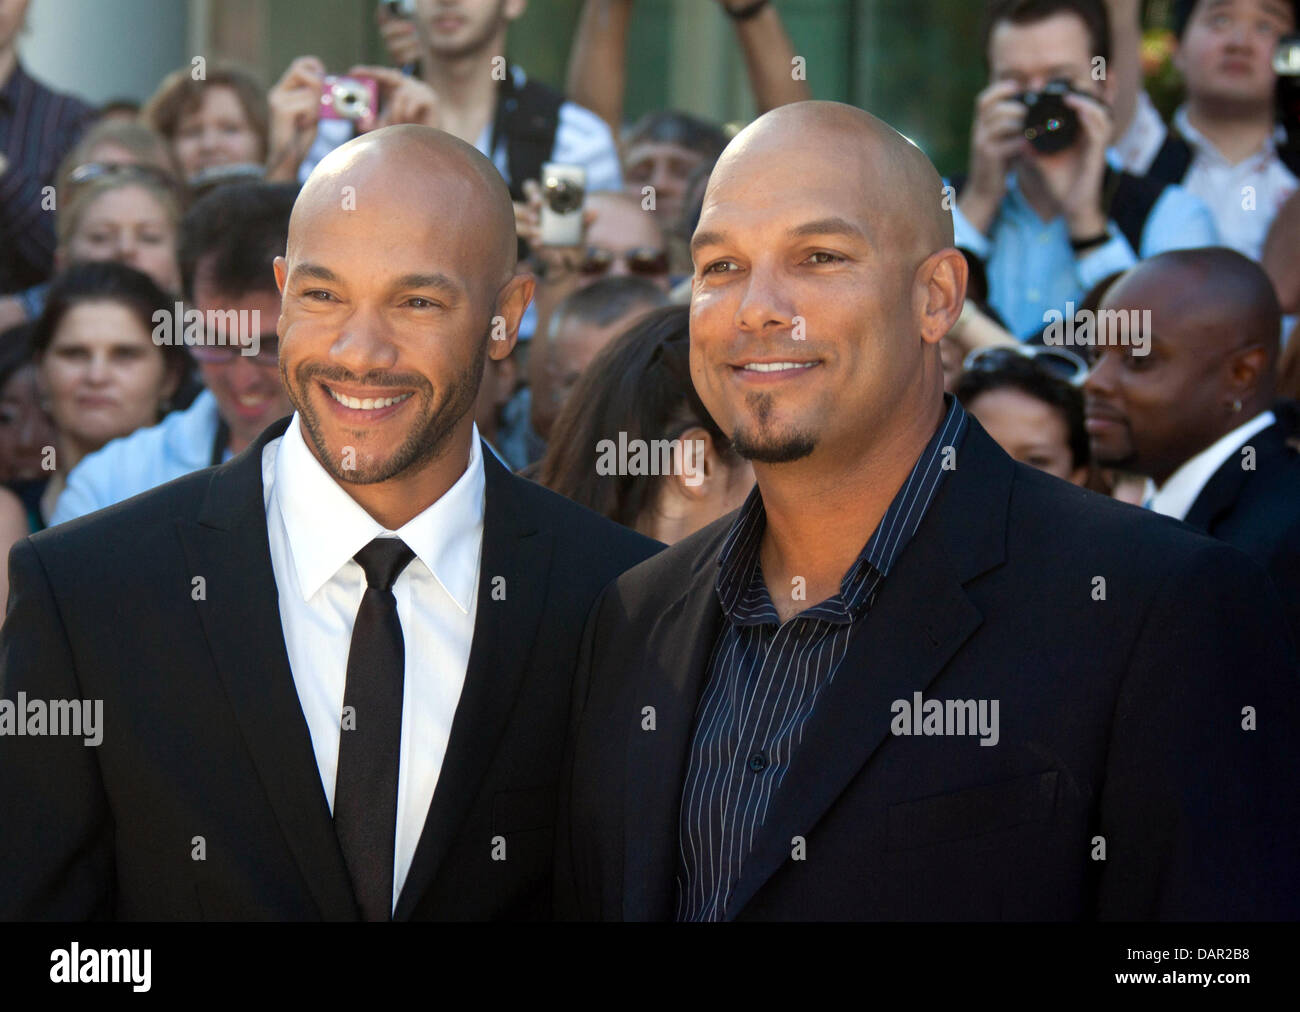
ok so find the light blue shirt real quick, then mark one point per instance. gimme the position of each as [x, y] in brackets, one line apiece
[180, 443]
[1032, 269]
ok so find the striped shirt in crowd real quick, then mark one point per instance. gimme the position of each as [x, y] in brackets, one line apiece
[37, 128]
[764, 677]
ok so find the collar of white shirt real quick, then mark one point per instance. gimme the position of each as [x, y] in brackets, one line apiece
[1206, 147]
[326, 527]
[1175, 497]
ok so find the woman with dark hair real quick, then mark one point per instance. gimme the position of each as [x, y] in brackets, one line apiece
[1028, 400]
[100, 373]
[635, 444]
[24, 433]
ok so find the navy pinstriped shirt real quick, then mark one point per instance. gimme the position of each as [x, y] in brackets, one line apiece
[37, 128]
[763, 681]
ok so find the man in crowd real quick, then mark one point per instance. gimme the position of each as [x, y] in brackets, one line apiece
[228, 242]
[1225, 144]
[334, 673]
[464, 88]
[1194, 414]
[37, 128]
[1049, 226]
[778, 715]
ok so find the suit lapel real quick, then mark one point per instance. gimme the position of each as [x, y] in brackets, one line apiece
[671, 682]
[1225, 485]
[921, 618]
[515, 549]
[229, 548]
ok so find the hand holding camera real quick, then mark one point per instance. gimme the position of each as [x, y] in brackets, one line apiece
[1071, 130]
[295, 107]
[997, 137]
[402, 99]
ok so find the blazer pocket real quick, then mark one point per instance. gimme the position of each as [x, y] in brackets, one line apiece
[520, 811]
[974, 811]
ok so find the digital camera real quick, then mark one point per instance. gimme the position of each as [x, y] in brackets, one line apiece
[350, 98]
[1050, 124]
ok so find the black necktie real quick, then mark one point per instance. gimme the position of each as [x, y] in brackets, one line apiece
[365, 787]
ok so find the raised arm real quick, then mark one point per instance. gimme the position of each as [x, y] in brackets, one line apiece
[769, 55]
[1125, 67]
[598, 60]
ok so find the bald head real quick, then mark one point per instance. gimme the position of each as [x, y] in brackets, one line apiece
[901, 189]
[1213, 299]
[415, 172]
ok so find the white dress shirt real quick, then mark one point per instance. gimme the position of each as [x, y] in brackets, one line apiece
[1175, 497]
[315, 528]
[1241, 216]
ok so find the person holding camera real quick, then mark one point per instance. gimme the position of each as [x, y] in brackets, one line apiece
[1231, 143]
[1043, 206]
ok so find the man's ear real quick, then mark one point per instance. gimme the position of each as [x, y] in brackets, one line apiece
[511, 302]
[1245, 369]
[941, 292]
[281, 267]
[697, 465]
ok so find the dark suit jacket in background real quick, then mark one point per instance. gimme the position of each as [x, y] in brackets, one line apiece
[204, 735]
[1119, 718]
[1259, 512]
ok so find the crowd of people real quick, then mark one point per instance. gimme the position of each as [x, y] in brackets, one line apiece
[1188, 227]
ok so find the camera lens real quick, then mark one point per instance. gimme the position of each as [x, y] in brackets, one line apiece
[562, 195]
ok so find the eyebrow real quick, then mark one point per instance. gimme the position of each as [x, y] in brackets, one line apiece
[822, 226]
[438, 282]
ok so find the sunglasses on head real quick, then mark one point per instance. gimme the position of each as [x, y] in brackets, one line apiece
[1058, 362]
[643, 260]
[89, 171]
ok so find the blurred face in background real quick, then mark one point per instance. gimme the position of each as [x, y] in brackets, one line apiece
[25, 429]
[458, 28]
[1226, 52]
[215, 132]
[129, 225]
[623, 240]
[666, 167]
[248, 390]
[103, 375]
[1030, 430]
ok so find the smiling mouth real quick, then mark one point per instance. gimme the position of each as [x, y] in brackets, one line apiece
[366, 403]
[775, 366]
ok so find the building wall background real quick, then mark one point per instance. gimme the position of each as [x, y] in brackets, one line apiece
[915, 63]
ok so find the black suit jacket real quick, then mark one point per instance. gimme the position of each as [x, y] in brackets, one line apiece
[204, 736]
[1258, 511]
[1123, 784]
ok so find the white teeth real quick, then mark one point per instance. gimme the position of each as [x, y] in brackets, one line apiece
[777, 366]
[369, 404]
[249, 400]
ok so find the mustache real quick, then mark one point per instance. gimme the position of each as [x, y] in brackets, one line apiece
[375, 378]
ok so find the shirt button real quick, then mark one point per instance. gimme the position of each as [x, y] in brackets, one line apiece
[758, 762]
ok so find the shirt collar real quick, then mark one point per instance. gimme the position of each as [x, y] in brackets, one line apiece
[739, 582]
[1175, 497]
[326, 527]
[1198, 140]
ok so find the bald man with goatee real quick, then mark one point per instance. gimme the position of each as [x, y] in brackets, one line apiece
[910, 679]
[331, 677]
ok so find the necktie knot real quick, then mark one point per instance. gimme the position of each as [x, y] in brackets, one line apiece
[383, 560]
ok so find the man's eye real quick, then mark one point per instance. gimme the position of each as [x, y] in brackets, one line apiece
[829, 258]
[712, 268]
[420, 302]
[317, 295]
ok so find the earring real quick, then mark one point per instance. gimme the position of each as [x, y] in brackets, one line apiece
[1236, 405]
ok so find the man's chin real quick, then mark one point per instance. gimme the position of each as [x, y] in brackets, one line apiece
[782, 448]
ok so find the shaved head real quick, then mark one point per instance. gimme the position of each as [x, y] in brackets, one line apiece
[415, 171]
[825, 277]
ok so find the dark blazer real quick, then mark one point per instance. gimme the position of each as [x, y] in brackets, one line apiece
[204, 736]
[1120, 727]
[1258, 511]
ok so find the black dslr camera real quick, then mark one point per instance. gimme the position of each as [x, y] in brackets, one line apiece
[1050, 124]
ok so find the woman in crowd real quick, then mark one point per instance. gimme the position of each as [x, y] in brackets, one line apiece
[100, 374]
[218, 121]
[635, 399]
[1027, 399]
[128, 215]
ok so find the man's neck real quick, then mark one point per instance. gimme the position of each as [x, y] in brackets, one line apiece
[822, 510]
[8, 61]
[467, 90]
[397, 501]
[1236, 131]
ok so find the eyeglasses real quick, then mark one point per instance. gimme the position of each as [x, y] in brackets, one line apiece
[88, 172]
[643, 260]
[268, 353]
[1058, 362]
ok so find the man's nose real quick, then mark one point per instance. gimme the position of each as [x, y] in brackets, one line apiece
[763, 303]
[364, 343]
